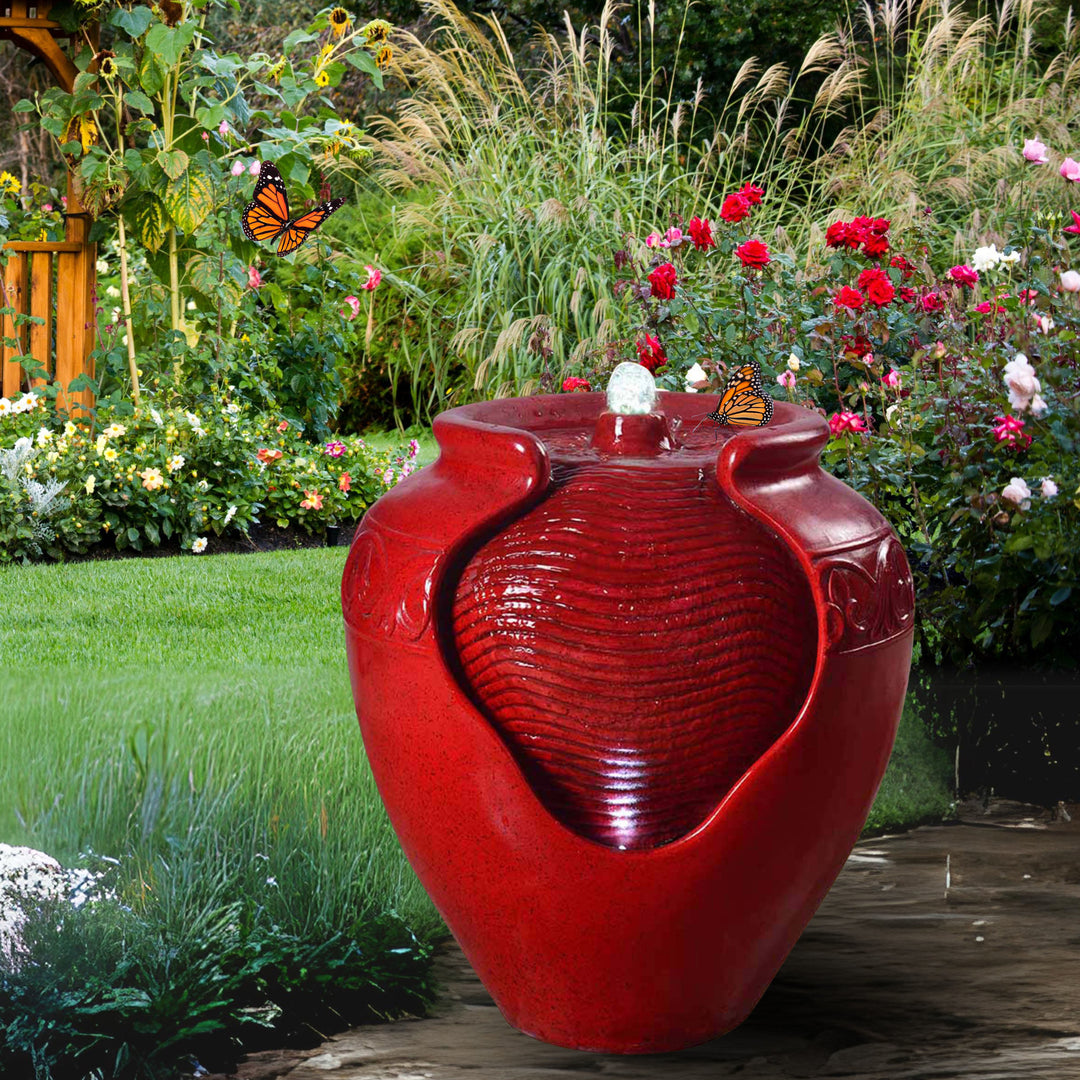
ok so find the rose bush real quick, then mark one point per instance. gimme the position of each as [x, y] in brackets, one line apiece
[952, 394]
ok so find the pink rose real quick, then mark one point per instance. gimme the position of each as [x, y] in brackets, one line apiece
[786, 379]
[1016, 491]
[373, 278]
[654, 239]
[845, 421]
[1035, 151]
[1070, 281]
[1070, 169]
[964, 275]
[255, 280]
[1048, 488]
[673, 237]
[891, 379]
[254, 168]
[223, 128]
[354, 306]
[237, 168]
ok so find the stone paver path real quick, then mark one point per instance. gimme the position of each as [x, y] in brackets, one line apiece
[898, 977]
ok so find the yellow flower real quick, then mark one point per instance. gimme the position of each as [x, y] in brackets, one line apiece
[327, 49]
[339, 21]
[376, 31]
[8, 184]
[110, 454]
[107, 68]
[383, 57]
[322, 79]
[275, 72]
[334, 148]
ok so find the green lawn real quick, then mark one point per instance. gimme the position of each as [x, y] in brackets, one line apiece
[192, 718]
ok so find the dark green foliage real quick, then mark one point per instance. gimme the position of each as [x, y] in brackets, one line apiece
[234, 983]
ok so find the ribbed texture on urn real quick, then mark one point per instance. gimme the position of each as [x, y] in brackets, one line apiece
[639, 642]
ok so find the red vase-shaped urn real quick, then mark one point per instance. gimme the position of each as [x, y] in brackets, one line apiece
[628, 684]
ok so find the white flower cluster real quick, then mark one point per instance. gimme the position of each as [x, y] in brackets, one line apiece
[27, 403]
[989, 258]
[29, 877]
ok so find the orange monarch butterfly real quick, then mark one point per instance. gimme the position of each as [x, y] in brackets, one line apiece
[266, 217]
[743, 402]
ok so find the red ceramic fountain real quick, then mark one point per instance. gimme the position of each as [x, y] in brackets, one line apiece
[628, 683]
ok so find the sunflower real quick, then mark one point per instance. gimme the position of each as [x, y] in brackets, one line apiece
[340, 20]
[376, 31]
[322, 79]
[9, 185]
[275, 72]
[383, 57]
[107, 68]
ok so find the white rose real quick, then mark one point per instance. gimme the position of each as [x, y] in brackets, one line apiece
[1016, 491]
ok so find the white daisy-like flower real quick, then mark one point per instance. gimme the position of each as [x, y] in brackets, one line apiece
[199, 546]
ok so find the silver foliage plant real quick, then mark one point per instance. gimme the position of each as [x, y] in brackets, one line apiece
[45, 499]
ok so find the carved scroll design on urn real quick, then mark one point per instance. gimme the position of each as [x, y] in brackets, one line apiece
[388, 610]
[869, 594]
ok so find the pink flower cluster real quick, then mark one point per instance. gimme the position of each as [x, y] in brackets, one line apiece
[1010, 430]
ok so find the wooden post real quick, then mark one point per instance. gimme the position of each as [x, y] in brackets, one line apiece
[26, 23]
[75, 305]
[13, 295]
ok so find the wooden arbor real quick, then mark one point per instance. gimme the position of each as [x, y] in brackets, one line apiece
[53, 281]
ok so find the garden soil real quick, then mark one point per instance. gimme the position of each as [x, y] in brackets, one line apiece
[948, 951]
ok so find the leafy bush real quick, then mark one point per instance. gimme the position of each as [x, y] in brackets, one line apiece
[952, 396]
[154, 477]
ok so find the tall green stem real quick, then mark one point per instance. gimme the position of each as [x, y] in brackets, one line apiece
[125, 296]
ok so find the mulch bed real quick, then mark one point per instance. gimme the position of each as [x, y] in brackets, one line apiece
[259, 538]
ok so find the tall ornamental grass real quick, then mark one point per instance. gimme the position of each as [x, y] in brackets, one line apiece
[517, 185]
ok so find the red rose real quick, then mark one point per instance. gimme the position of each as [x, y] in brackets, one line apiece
[858, 345]
[753, 253]
[735, 208]
[701, 233]
[907, 295]
[751, 193]
[877, 226]
[931, 302]
[906, 268]
[651, 353]
[662, 281]
[874, 245]
[849, 298]
[877, 285]
[575, 383]
[844, 234]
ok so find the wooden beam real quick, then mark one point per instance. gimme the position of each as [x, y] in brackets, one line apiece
[52, 246]
[38, 40]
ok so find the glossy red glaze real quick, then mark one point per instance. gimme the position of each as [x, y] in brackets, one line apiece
[707, 604]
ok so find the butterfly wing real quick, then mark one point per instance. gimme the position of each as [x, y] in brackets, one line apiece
[296, 232]
[267, 215]
[743, 402]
